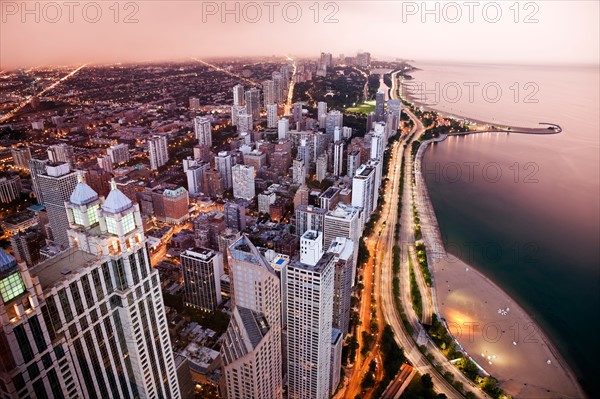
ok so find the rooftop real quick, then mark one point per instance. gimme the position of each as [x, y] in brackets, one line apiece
[59, 267]
[255, 324]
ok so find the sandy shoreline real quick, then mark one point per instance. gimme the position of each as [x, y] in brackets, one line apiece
[491, 326]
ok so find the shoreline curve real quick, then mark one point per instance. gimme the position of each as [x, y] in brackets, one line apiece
[461, 299]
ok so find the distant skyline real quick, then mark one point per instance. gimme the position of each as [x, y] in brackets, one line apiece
[566, 32]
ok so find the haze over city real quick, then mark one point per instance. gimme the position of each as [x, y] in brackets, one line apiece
[563, 32]
[299, 200]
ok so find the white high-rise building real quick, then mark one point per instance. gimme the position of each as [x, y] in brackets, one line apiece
[251, 351]
[343, 221]
[57, 184]
[244, 122]
[238, 95]
[119, 153]
[332, 120]
[353, 163]
[105, 162]
[321, 167]
[308, 297]
[195, 177]
[223, 165]
[363, 190]
[338, 158]
[266, 198]
[236, 110]
[89, 322]
[283, 128]
[378, 141]
[322, 113]
[269, 93]
[203, 131]
[242, 177]
[158, 151]
[346, 132]
[311, 247]
[271, 115]
[21, 155]
[60, 153]
[337, 134]
[202, 270]
[298, 171]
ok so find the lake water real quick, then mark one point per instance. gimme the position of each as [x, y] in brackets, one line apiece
[524, 209]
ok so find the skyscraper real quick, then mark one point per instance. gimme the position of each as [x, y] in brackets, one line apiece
[271, 115]
[344, 265]
[343, 221]
[297, 112]
[338, 158]
[269, 92]
[321, 167]
[21, 155]
[60, 153]
[309, 217]
[202, 270]
[353, 163]
[238, 95]
[89, 322]
[379, 105]
[37, 167]
[119, 153]
[244, 122]
[57, 184]
[158, 151]
[235, 215]
[363, 190]
[105, 163]
[242, 177]
[252, 98]
[283, 128]
[395, 108]
[251, 349]
[298, 171]
[332, 120]
[223, 165]
[322, 113]
[203, 131]
[308, 297]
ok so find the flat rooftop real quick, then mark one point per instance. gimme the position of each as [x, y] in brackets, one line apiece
[60, 267]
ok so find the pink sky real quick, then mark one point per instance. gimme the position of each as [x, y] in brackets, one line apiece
[565, 31]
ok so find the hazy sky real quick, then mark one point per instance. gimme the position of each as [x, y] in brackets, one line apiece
[94, 32]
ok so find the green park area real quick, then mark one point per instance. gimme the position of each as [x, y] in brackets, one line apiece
[363, 108]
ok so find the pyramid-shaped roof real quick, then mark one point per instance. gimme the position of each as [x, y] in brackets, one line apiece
[116, 200]
[7, 262]
[83, 194]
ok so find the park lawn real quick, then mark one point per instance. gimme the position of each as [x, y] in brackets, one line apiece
[363, 108]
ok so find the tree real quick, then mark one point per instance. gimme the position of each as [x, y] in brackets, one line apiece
[426, 381]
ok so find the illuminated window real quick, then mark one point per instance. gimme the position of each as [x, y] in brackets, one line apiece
[128, 223]
[111, 225]
[11, 287]
[78, 217]
[92, 214]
